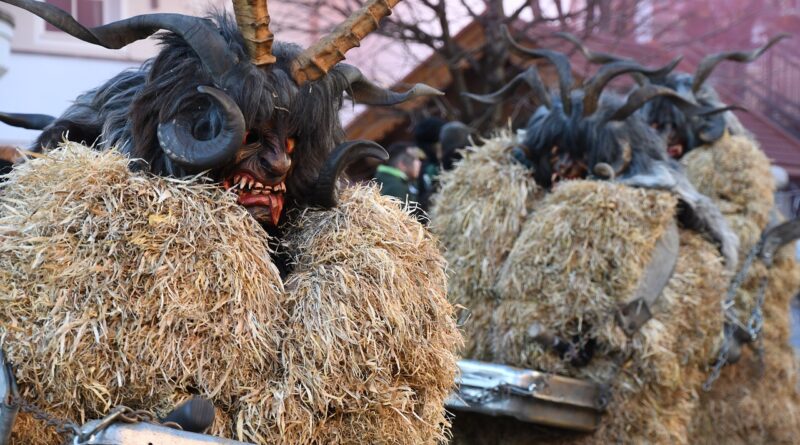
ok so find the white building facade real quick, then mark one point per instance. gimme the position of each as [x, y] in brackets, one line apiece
[42, 69]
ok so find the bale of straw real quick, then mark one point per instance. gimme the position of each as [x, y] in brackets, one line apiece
[477, 214]
[371, 355]
[754, 401]
[735, 174]
[125, 289]
[577, 258]
[121, 288]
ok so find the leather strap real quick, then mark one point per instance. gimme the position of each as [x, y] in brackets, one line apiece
[774, 238]
[636, 312]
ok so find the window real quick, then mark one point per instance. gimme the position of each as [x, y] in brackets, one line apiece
[86, 12]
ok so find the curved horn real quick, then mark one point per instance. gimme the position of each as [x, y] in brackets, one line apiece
[317, 60]
[28, 121]
[325, 191]
[200, 34]
[529, 76]
[644, 94]
[252, 16]
[592, 56]
[561, 62]
[594, 86]
[363, 91]
[714, 111]
[712, 127]
[711, 61]
[599, 58]
[178, 142]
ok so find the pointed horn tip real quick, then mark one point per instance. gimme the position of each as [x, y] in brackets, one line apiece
[421, 89]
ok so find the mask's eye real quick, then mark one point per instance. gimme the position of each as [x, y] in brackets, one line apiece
[251, 137]
[289, 145]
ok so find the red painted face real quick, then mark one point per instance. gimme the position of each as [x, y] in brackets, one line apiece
[259, 171]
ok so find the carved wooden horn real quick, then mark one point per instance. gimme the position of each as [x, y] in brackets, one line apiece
[252, 17]
[314, 62]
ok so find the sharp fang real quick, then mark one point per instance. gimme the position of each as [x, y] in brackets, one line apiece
[242, 183]
[250, 183]
[236, 179]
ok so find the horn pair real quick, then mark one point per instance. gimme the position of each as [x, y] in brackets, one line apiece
[252, 17]
[592, 88]
[176, 137]
[648, 92]
[704, 69]
[531, 77]
[614, 66]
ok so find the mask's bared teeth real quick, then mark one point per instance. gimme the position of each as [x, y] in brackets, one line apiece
[250, 183]
[236, 179]
[258, 186]
[242, 183]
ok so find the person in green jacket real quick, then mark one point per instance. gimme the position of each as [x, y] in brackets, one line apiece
[398, 177]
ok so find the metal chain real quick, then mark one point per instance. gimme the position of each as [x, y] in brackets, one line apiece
[62, 427]
[66, 428]
[722, 359]
[754, 323]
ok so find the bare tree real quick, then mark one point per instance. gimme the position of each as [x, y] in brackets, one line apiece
[429, 23]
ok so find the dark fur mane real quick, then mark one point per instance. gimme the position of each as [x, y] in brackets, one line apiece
[124, 112]
[664, 113]
[590, 139]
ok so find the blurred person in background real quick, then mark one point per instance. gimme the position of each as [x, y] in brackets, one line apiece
[426, 136]
[399, 176]
[453, 137]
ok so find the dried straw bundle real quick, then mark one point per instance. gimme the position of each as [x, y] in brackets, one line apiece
[125, 289]
[477, 215]
[371, 355]
[576, 260]
[735, 174]
[137, 290]
[753, 402]
[756, 402]
[578, 257]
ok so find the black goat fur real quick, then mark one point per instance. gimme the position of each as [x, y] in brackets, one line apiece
[596, 139]
[124, 113]
[675, 127]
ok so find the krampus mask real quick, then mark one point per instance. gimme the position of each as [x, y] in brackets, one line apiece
[576, 134]
[262, 120]
[684, 128]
